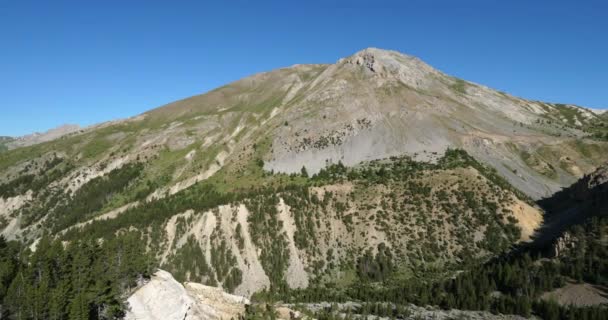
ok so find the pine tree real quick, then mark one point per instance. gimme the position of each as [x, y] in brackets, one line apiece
[303, 172]
[16, 299]
[58, 300]
[79, 307]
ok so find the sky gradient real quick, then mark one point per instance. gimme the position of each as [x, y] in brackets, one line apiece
[86, 62]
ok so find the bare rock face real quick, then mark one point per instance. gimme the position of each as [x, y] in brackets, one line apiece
[599, 177]
[562, 244]
[394, 65]
[163, 298]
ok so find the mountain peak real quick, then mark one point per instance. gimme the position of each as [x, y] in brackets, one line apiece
[381, 52]
[392, 64]
[371, 56]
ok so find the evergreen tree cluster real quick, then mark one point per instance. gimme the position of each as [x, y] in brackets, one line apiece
[267, 234]
[84, 279]
[50, 170]
[188, 263]
[378, 267]
[93, 195]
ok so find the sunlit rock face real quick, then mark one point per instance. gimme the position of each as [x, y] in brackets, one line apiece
[163, 298]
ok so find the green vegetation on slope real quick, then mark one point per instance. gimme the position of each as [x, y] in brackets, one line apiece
[189, 264]
[84, 279]
[459, 86]
[572, 117]
[509, 285]
[50, 170]
[466, 210]
[409, 202]
[92, 196]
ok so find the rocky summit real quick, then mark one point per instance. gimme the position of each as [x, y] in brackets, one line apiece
[376, 185]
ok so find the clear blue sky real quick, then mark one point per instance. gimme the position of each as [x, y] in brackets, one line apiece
[90, 61]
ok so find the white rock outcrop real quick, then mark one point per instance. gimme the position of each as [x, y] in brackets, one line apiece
[163, 298]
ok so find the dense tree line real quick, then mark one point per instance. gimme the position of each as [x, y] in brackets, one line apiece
[188, 263]
[224, 262]
[84, 279]
[376, 267]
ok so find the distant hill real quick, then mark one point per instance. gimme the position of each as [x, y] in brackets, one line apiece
[35, 138]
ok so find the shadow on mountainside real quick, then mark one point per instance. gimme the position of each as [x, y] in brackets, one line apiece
[573, 205]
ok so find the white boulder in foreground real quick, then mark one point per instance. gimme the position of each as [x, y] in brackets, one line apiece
[163, 298]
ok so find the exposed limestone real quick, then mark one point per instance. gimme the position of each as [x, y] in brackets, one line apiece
[163, 298]
[203, 225]
[7, 207]
[418, 111]
[296, 275]
[254, 277]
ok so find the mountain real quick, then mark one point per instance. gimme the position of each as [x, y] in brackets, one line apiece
[376, 169]
[378, 104]
[35, 138]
